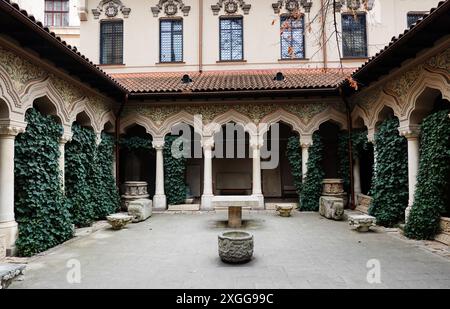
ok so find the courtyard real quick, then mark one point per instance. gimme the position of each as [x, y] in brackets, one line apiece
[179, 250]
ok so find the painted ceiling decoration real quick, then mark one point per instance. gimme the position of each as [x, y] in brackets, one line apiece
[231, 6]
[354, 5]
[170, 8]
[111, 8]
[292, 5]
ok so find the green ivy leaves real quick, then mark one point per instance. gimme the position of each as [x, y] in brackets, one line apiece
[390, 183]
[134, 143]
[40, 207]
[293, 153]
[174, 172]
[90, 185]
[312, 187]
[432, 196]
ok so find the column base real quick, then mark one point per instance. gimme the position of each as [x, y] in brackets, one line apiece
[407, 211]
[10, 231]
[159, 202]
[260, 199]
[207, 202]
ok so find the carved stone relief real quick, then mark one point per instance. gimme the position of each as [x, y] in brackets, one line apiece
[231, 6]
[111, 8]
[170, 8]
[292, 5]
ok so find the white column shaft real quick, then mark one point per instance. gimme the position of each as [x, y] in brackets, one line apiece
[207, 177]
[413, 167]
[256, 171]
[159, 183]
[305, 154]
[357, 176]
[6, 178]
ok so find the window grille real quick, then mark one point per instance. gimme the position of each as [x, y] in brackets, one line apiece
[56, 13]
[354, 36]
[292, 37]
[412, 18]
[231, 39]
[111, 42]
[171, 40]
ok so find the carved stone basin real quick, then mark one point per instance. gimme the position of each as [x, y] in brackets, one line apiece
[236, 247]
[119, 220]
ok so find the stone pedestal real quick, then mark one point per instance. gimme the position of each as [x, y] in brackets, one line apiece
[331, 207]
[134, 190]
[444, 231]
[361, 223]
[140, 210]
[234, 217]
[335, 188]
[363, 203]
[2, 247]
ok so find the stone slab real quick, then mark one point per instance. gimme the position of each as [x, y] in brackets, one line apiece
[8, 272]
[331, 207]
[184, 207]
[273, 206]
[443, 238]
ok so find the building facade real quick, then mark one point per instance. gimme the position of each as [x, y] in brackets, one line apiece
[61, 16]
[146, 97]
[192, 35]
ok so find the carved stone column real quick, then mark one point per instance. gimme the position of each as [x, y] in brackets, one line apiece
[305, 143]
[159, 199]
[411, 133]
[8, 225]
[207, 144]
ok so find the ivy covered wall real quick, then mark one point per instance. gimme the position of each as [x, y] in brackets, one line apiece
[432, 197]
[40, 207]
[174, 173]
[293, 153]
[390, 183]
[312, 187]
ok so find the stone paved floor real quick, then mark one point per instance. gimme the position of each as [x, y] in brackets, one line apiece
[180, 251]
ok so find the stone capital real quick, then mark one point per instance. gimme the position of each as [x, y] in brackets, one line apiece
[10, 131]
[65, 138]
[158, 143]
[306, 141]
[410, 131]
[208, 142]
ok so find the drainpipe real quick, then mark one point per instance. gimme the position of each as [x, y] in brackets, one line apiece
[350, 148]
[117, 133]
[324, 36]
[200, 36]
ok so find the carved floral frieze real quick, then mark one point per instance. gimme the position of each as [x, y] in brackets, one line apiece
[440, 62]
[401, 86]
[158, 114]
[291, 5]
[68, 92]
[20, 71]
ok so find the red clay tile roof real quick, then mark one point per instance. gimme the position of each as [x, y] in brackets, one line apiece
[210, 81]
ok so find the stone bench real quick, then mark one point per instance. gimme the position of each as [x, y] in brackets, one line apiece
[361, 223]
[8, 272]
[331, 207]
[140, 209]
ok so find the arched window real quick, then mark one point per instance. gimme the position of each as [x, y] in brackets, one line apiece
[56, 13]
